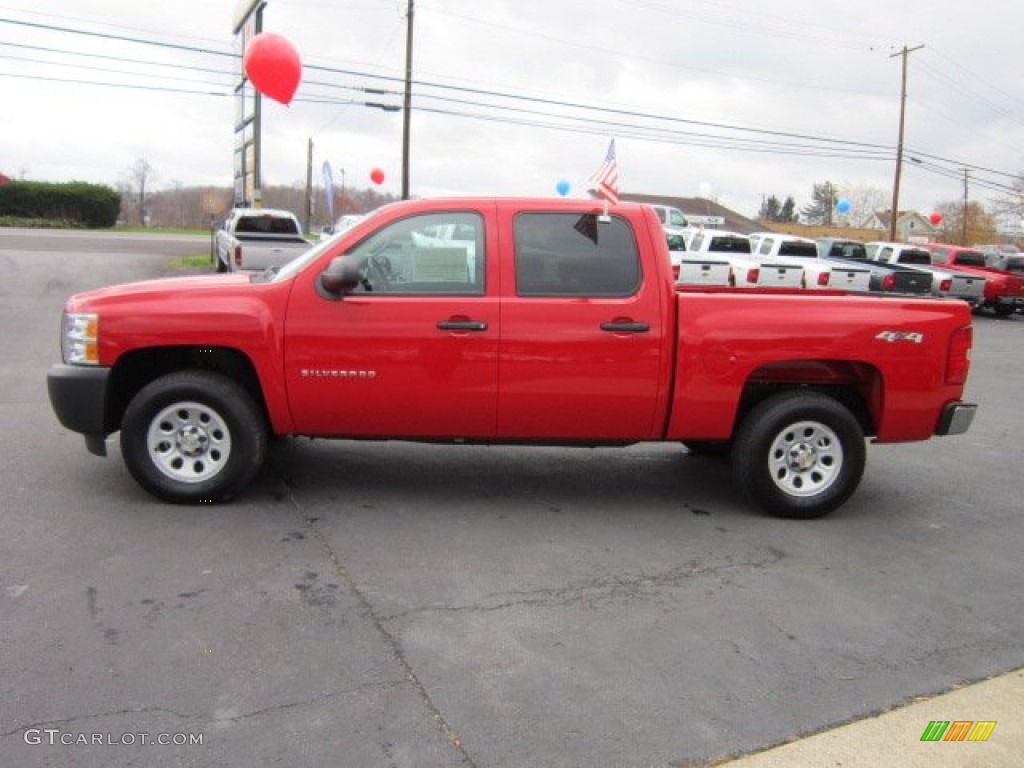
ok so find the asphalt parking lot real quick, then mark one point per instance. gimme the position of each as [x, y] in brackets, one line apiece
[392, 604]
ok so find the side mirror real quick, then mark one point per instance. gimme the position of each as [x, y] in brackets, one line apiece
[341, 277]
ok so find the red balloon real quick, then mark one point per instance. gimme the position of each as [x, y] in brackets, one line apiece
[273, 66]
[935, 218]
[377, 176]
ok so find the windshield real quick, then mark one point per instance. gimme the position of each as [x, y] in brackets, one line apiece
[295, 266]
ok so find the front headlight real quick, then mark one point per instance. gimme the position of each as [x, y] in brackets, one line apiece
[79, 340]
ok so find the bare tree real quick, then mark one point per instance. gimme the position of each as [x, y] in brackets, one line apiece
[138, 175]
[864, 202]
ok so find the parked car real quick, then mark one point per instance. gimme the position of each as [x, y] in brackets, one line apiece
[746, 270]
[673, 221]
[1004, 291]
[819, 273]
[257, 239]
[946, 282]
[886, 278]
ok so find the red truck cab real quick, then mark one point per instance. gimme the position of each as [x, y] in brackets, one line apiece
[505, 321]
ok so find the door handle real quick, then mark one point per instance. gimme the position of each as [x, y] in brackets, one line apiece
[462, 325]
[625, 326]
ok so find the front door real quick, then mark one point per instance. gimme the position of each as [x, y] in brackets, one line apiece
[413, 351]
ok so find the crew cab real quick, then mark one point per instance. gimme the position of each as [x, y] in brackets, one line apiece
[819, 274]
[561, 325]
[946, 282]
[746, 269]
[1004, 291]
[258, 239]
[885, 278]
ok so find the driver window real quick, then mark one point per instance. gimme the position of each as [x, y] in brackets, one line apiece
[431, 254]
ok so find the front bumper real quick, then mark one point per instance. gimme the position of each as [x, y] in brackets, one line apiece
[78, 395]
[956, 418]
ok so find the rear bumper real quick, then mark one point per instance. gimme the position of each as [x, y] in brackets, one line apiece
[78, 396]
[956, 418]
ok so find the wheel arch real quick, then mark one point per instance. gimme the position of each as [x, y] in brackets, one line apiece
[137, 368]
[857, 385]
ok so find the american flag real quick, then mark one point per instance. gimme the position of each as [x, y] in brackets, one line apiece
[607, 176]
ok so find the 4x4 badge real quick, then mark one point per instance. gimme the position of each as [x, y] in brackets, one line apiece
[891, 336]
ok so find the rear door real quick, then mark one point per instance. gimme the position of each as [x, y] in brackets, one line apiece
[583, 330]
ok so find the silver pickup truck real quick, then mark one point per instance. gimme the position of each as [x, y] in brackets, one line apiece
[258, 238]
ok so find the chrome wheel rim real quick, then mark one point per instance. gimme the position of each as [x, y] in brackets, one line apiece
[805, 459]
[188, 442]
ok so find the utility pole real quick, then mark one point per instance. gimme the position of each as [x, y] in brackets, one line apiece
[407, 103]
[899, 145]
[963, 235]
[309, 185]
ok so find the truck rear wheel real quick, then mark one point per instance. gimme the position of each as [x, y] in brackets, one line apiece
[799, 454]
[192, 437]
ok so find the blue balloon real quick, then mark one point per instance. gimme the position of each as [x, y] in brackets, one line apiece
[843, 206]
[562, 187]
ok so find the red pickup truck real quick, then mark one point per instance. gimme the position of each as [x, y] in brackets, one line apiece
[1004, 291]
[506, 321]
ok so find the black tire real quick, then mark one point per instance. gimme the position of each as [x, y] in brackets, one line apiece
[799, 454]
[193, 437]
[221, 266]
[1004, 310]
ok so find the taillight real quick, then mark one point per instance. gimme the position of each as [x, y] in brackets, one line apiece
[238, 255]
[675, 272]
[945, 285]
[959, 360]
[752, 275]
[823, 278]
[888, 282]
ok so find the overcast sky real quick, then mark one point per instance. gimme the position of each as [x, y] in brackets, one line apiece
[731, 99]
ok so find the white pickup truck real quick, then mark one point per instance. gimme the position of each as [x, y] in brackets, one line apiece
[257, 239]
[746, 270]
[946, 281]
[819, 273]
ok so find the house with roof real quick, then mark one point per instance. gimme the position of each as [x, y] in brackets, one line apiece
[910, 226]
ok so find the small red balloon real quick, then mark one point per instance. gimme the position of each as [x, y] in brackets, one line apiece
[935, 218]
[377, 176]
[273, 66]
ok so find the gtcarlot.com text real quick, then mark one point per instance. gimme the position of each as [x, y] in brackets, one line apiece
[55, 737]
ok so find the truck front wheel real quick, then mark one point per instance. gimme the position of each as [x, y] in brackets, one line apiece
[193, 436]
[799, 454]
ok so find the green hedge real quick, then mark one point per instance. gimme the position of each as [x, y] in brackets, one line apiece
[87, 205]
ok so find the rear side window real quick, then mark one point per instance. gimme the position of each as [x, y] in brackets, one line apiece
[729, 244]
[971, 258]
[572, 254]
[915, 257]
[848, 251]
[805, 250]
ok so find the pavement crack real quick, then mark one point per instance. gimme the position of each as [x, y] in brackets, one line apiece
[390, 641]
[607, 589]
